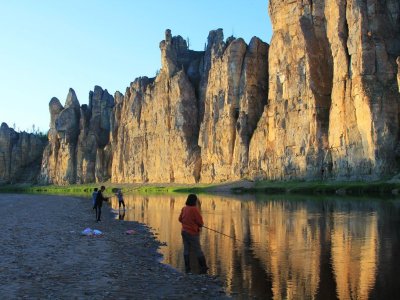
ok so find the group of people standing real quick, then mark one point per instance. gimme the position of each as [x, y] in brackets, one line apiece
[98, 198]
[190, 218]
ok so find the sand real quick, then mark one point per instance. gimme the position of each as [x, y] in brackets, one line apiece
[44, 256]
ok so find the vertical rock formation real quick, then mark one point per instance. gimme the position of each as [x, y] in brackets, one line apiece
[191, 123]
[293, 131]
[200, 100]
[234, 99]
[77, 137]
[321, 102]
[332, 105]
[92, 160]
[20, 155]
[158, 121]
[59, 159]
[50, 153]
[364, 120]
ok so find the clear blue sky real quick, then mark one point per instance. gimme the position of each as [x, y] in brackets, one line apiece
[48, 46]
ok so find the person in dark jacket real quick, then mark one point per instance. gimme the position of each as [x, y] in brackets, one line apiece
[99, 202]
[94, 197]
[192, 221]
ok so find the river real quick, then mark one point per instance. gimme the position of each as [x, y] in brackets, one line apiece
[286, 248]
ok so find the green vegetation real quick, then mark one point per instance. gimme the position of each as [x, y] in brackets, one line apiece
[354, 188]
[359, 188]
[85, 190]
[76, 190]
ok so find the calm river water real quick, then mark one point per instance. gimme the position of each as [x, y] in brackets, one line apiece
[286, 248]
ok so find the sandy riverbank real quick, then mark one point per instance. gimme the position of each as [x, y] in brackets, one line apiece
[43, 255]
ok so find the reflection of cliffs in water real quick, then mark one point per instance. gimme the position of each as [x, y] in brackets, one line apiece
[355, 254]
[291, 239]
[290, 249]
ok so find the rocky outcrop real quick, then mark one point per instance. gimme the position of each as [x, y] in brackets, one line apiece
[20, 155]
[93, 159]
[234, 100]
[332, 102]
[194, 120]
[364, 120]
[77, 138]
[156, 139]
[59, 160]
[322, 101]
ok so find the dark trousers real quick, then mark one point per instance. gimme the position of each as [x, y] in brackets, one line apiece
[98, 212]
[191, 243]
[121, 203]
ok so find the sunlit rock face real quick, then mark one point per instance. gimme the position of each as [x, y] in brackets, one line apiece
[293, 130]
[193, 122]
[20, 155]
[59, 158]
[234, 99]
[322, 101]
[333, 101]
[157, 131]
[95, 124]
[77, 137]
[364, 126]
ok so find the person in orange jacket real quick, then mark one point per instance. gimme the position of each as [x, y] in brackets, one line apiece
[192, 221]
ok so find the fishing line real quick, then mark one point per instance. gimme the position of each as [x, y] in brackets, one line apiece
[248, 245]
[224, 234]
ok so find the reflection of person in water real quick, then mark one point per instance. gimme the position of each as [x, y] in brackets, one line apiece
[121, 214]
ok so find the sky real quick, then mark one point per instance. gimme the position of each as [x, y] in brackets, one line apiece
[49, 46]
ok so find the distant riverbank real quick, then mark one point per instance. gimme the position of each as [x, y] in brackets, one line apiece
[353, 188]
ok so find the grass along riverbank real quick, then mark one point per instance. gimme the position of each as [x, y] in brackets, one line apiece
[354, 188]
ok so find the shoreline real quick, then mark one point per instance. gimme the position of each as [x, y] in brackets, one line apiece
[45, 255]
[384, 188]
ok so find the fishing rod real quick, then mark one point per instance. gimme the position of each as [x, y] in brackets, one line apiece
[223, 234]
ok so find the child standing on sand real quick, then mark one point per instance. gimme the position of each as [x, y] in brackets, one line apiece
[120, 199]
[192, 221]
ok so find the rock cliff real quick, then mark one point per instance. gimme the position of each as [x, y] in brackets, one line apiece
[77, 138]
[194, 120]
[156, 138]
[20, 155]
[321, 101]
[333, 98]
[233, 102]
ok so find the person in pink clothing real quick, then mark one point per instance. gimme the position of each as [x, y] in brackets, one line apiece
[192, 221]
